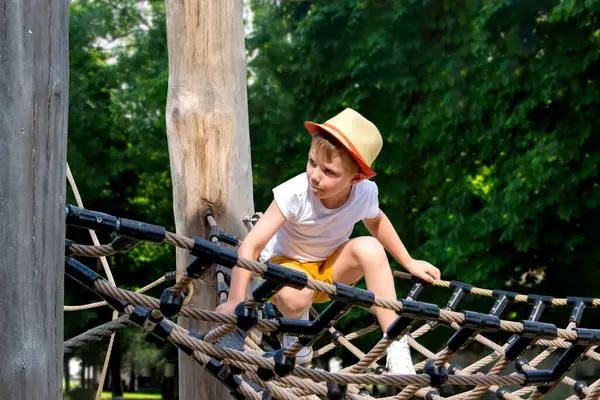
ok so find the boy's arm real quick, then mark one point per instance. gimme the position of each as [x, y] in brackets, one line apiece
[382, 229]
[251, 247]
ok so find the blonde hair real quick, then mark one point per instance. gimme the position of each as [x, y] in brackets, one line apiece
[324, 144]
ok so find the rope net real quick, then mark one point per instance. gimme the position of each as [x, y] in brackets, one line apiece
[241, 350]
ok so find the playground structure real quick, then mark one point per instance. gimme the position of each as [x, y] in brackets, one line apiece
[33, 190]
[234, 353]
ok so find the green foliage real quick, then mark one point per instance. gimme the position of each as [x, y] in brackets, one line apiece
[94, 28]
[117, 147]
[139, 352]
[488, 111]
[489, 166]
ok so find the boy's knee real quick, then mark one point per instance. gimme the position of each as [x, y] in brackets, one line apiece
[293, 301]
[367, 248]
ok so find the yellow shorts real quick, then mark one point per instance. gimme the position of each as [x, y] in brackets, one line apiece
[318, 270]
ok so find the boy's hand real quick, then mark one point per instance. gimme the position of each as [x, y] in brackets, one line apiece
[228, 307]
[423, 270]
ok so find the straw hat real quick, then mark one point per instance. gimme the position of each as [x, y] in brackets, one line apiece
[357, 134]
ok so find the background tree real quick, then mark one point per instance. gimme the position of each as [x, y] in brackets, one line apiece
[117, 150]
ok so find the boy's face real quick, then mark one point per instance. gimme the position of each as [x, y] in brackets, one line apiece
[329, 179]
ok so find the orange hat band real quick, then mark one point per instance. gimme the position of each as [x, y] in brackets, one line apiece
[355, 154]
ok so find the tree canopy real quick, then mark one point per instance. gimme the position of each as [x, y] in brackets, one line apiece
[490, 166]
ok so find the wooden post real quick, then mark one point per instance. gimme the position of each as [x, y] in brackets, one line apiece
[209, 144]
[33, 137]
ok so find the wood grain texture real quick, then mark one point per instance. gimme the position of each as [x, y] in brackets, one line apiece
[209, 144]
[33, 135]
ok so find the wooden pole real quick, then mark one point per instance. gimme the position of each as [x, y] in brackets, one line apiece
[33, 134]
[209, 144]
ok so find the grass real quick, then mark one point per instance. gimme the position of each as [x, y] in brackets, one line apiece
[138, 396]
[73, 384]
[108, 395]
[126, 395]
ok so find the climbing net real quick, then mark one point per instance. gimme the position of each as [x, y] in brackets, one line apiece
[235, 351]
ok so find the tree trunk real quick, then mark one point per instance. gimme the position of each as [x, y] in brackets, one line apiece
[83, 376]
[67, 372]
[95, 375]
[209, 144]
[132, 378]
[33, 136]
[115, 367]
[90, 376]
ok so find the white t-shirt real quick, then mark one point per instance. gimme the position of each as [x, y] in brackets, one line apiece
[313, 232]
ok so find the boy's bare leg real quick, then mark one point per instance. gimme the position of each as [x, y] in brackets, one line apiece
[365, 256]
[293, 302]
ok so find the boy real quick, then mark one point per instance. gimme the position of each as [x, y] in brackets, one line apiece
[309, 222]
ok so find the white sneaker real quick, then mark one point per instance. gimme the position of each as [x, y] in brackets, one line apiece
[399, 360]
[304, 356]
